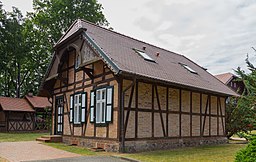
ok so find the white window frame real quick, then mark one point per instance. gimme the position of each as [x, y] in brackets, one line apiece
[188, 68]
[77, 108]
[101, 106]
[144, 55]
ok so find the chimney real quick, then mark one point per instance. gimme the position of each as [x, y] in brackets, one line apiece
[157, 54]
[144, 48]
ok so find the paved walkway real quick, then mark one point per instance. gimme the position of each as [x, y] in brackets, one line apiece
[31, 150]
[88, 159]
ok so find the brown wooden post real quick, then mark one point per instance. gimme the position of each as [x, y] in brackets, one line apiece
[210, 103]
[153, 115]
[167, 110]
[136, 109]
[180, 113]
[201, 115]
[191, 113]
[218, 116]
[160, 110]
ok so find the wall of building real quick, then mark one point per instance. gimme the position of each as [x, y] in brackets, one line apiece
[155, 116]
[164, 112]
[79, 81]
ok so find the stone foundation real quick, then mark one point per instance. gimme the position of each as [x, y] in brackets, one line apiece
[165, 144]
[107, 145]
[143, 145]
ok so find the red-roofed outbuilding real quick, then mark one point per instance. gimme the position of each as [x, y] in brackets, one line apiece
[22, 114]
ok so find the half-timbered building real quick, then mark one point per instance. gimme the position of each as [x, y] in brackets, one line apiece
[114, 92]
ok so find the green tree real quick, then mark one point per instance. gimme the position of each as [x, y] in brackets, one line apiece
[26, 43]
[15, 56]
[241, 112]
[49, 21]
[53, 17]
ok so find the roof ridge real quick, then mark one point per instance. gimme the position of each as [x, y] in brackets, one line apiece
[108, 30]
[225, 74]
[66, 32]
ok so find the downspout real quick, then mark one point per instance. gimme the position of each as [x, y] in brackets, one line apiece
[122, 116]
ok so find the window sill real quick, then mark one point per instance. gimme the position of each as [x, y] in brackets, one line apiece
[101, 124]
[77, 124]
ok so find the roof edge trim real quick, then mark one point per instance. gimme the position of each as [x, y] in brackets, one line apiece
[114, 67]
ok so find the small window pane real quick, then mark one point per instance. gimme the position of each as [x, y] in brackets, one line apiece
[189, 68]
[98, 95]
[92, 98]
[103, 112]
[109, 113]
[103, 93]
[83, 115]
[83, 100]
[144, 55]
[109, 96]
[92, 114]
[98, 113]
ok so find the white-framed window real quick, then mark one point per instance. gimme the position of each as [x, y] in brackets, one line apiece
[101, 105]
[188, 68]
[144, 55]
[78, 108]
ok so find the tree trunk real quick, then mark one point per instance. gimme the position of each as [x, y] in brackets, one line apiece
[18, 82]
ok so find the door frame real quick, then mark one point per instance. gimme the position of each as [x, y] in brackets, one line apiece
[56, 114]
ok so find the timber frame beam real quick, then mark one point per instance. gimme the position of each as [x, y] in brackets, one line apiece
[88, 71]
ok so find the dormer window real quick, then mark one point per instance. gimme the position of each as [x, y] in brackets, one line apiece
[144, 55]
[188, 68]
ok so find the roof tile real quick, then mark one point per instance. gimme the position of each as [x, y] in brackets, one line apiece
[15, 104]
[119, 48]
[38, 102]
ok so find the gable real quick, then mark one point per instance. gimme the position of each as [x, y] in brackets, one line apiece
[117, 51]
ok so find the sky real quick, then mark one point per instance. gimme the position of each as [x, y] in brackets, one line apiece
[216, 34]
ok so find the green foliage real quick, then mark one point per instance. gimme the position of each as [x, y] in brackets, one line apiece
[53, 17]
[14, 53]
[218, 153]
[247, 154]
[247, 136]
[240, 116]
[241, 112]
[26, 43]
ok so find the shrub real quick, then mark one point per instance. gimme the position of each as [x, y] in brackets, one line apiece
[247, 154]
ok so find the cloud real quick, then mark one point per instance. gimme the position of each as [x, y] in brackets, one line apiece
[216, 34]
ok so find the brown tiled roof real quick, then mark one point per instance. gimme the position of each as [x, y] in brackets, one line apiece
[38, 102]
[225, 77]
[15, 104]
[119, 49]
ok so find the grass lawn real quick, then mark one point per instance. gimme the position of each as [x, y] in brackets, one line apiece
[221, 153]
[3, 160]
[204, 153]
[73, 149]
[253, 132]
[15, 137]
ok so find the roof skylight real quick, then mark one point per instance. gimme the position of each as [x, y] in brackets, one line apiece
[144, 55]
[189, 68]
